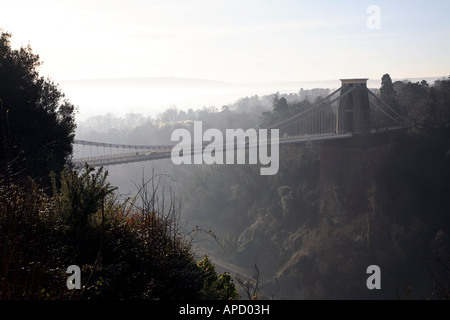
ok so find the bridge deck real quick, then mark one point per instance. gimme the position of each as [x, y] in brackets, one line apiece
[166, 152]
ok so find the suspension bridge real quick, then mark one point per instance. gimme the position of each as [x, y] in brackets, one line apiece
[353, 109]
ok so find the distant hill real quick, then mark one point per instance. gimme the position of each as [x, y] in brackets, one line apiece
[149, 82]
[176, 82]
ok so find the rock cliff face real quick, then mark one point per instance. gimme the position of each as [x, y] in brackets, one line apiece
[326, 254]
[353, 166]
[332, 211]
[362, 205]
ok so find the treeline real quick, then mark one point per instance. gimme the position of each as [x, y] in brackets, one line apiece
[250, 108]
[247, 112]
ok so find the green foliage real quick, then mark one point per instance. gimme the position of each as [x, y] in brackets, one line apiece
[216, 287]
[80, 196]
[125, 249]
[32, 251]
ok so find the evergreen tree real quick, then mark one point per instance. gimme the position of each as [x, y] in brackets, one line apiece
[37, 123]
[388, 94]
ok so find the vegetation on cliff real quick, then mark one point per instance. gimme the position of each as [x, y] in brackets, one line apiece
[333, 210]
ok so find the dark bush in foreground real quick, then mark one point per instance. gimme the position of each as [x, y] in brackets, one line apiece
[128, 249]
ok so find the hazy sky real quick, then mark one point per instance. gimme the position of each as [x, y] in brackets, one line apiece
[239, 41]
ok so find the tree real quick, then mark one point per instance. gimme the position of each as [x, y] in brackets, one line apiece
[37, 123]
[216, 287]
[251, 287]
[279, 104]
[387, 91]
[80, 195]
[387, 88]
[170, 114]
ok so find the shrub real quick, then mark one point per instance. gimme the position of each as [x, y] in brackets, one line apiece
[126, 249]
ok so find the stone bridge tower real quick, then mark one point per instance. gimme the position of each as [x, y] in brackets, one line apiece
[353, 112]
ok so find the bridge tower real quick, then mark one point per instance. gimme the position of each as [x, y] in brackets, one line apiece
[353, 112]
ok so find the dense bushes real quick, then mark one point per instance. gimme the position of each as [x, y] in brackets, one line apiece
[125, 249]
[32, 254]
